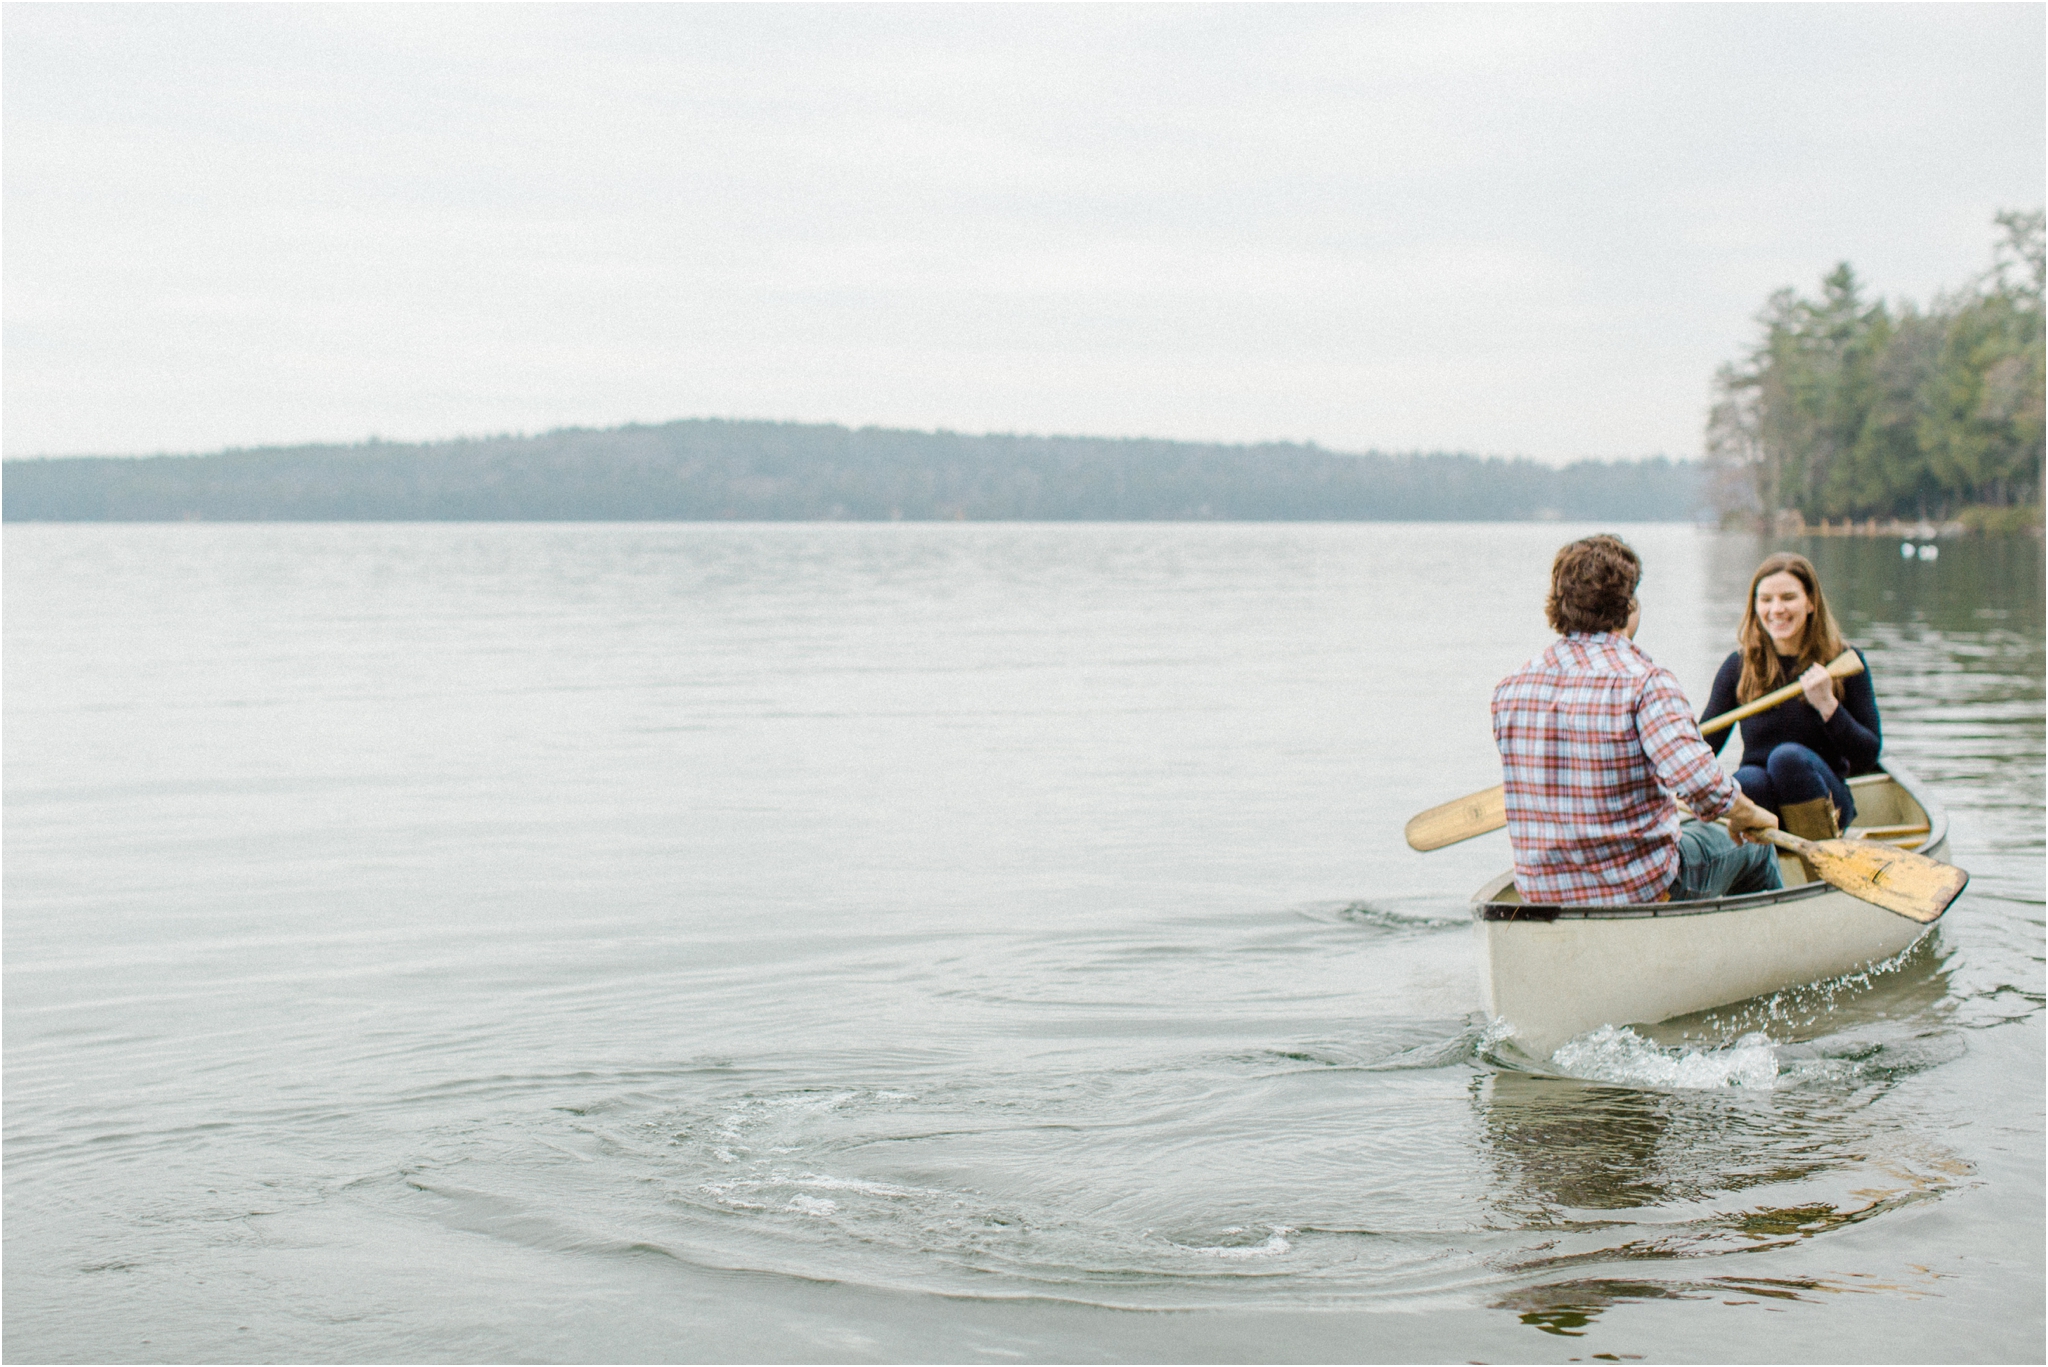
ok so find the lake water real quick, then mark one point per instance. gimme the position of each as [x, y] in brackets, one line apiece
[939, 942]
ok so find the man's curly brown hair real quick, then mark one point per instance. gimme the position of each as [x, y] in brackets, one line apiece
[1592, 585]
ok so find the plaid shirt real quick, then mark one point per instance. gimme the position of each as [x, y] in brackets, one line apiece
[1594, 738]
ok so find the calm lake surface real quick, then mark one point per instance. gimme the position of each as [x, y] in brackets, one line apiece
[940, 942]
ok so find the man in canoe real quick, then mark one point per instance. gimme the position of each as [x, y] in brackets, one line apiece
[1596, 739]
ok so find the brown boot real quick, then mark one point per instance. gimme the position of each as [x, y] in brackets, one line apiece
[1813, 819]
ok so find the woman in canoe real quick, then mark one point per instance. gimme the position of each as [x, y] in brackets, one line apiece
[1796, 756]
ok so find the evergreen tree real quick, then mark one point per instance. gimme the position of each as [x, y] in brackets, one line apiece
[1847, 409]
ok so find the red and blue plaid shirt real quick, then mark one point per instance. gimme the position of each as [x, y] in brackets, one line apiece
[1595, 737]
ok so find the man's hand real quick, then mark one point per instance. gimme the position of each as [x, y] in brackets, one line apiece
[1820, 690]
[1745, 816]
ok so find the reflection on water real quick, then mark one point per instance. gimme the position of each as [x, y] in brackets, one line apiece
[1559, 1144]
[1569, 1308]
[1629, 1175]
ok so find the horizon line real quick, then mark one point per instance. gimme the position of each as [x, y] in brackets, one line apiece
[375, 439]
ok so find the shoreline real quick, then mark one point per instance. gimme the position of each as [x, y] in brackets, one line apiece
[1989, 522]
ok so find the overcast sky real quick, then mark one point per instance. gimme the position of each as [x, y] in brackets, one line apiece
[1513, 230]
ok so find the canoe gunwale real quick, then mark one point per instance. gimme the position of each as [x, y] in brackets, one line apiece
[1631, 911]
[1485, 909]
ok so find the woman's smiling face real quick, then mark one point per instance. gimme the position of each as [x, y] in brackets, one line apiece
[1783, 607]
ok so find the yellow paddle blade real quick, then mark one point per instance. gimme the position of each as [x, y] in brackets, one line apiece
[1473, 814]
[1900, 881]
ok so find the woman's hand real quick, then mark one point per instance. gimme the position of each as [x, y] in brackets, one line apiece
[1820, 691]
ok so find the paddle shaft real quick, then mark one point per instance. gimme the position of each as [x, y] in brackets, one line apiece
[1843, 666]
[1478, 813]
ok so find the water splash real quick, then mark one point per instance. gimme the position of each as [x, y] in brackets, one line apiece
[1821, 1005]
[1275, 1244]
[1619, 1054]
[1498, 1030]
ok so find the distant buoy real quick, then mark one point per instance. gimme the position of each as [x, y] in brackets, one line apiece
[1928, 552]
[1905, 550]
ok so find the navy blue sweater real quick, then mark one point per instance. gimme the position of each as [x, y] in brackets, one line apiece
[1847, 742]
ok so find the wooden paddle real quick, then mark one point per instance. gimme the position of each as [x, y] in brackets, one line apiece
[1478, 813]
[1912, 885]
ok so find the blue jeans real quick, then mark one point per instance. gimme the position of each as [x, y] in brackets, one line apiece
[1793, 773]
[1712, 863]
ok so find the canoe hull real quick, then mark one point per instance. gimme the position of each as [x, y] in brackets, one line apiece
[1551, 973]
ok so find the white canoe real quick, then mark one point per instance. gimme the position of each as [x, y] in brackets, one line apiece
[1553, 972]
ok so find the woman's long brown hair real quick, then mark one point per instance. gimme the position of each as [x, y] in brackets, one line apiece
[1819, 643]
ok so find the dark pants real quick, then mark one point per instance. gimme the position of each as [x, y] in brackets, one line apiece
[1793, 773]
[1712, 863]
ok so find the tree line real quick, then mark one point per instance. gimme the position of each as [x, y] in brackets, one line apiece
[704, 469]
[1848, 408]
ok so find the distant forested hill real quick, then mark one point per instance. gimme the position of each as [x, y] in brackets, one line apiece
[704, 470]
